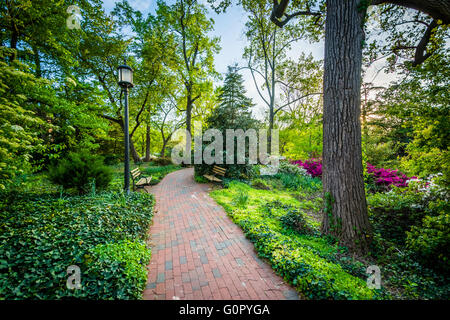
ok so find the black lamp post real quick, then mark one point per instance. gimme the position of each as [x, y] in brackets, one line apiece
[126, 81]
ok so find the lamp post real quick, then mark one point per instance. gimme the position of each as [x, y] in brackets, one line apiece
[125, 82]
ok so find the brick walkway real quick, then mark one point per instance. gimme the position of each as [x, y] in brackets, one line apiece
[199, 253]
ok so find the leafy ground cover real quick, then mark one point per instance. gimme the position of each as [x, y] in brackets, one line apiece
[283, 220]
[311, 263]
[104, 234]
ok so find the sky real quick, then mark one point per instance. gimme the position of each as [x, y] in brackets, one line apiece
[229, 27]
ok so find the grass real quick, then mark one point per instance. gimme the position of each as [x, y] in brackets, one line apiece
[147, 168]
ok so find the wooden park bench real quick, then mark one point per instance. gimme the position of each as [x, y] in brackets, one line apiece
[139, 181]
[217, 171]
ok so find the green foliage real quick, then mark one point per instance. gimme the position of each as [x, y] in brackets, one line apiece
[232, 112]
[431, 240]
[200, 179]
[260, 184]
[18, 132]
[129, 259]
[161, 171]
[288, 168]
[413, 118]
[296, 220]
[103, 234]
[411, 279]
[295, 182]
[234, 108]
[241, 198]
[79, 170]
[393, 213]
[311, 264]
[162, 161]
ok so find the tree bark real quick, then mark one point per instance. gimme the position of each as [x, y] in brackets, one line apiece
[345, 215]
[133, 151]
[438, 9]
[163, 149]
[147, 144]
[189, 113]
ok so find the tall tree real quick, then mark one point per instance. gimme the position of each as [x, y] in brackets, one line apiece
[346, 215]
[346, 209]
[189, 47]
[234, 109]
[266, 56]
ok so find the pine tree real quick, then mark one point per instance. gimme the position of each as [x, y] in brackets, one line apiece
[234, 109]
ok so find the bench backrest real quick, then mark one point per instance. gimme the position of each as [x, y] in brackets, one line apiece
[135, 173]
[219, 170]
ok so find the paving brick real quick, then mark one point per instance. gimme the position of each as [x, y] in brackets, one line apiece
[216, 273]
[161, 277]
[199, 253]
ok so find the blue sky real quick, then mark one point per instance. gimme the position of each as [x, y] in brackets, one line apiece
[229, 27]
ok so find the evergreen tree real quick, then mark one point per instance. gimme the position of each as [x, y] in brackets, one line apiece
[234, 109]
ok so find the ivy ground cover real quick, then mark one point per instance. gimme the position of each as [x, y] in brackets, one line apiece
[104, 235]
[311, 263]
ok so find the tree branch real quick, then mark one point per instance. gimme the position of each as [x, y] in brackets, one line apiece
[279, 9]
[437, 9]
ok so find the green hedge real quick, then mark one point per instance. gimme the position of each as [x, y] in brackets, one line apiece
[105, 235]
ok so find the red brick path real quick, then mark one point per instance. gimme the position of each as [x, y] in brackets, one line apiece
[199, 253]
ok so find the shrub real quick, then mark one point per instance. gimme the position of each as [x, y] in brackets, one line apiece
[296, 220]
[431, 240]
[233, 171]
[80, 171]
[288, 168]
[260, 184]
[162, 161]
[111, 159]
[294, 182]
[315, 277]
[386, 178]
[200, 179]
[379, 179]
[161, 171]
[414, 280]
[104, 235]
[312, 166]
[393, 213]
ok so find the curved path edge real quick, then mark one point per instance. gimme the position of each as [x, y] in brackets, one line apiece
[199, 253]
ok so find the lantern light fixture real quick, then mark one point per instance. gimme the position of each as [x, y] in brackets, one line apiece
[125, 76]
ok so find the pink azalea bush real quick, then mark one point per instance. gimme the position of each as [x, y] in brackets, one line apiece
[382, 177]
[312, 166]
[388, 177]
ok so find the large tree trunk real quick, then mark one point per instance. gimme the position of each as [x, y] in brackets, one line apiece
[133, 151]
[269, 136]
[345, 215]
[163, 149]
[147, 144]
[189, 113]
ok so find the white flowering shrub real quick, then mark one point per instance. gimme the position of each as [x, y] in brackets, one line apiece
[286, 167]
